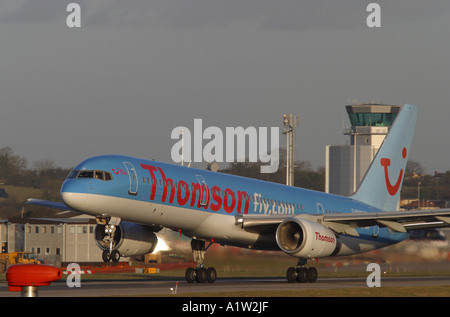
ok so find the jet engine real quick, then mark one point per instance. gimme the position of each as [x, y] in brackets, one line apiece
[128, 239]
[306, 239]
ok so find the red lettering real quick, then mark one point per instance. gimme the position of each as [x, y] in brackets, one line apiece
[172, 191]
[166, 182]
[196, 187]
[243, 195]
[226, 207]
[119, 171]
[200, 194]
[182, 201]
[217, 198]
[324, 238]
[151, 169]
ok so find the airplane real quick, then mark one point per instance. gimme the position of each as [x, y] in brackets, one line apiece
[133, 198]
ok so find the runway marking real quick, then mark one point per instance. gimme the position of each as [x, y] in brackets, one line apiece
[226, 285]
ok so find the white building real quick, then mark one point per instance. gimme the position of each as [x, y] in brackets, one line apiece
[55, 241]
[345, 165]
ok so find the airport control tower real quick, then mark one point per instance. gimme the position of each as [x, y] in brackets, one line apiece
[345, 165]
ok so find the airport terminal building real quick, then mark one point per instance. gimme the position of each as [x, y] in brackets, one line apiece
[55, 241]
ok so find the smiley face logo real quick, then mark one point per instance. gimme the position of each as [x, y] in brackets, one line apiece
[385, 162]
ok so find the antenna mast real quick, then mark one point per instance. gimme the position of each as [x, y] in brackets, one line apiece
[290, 123]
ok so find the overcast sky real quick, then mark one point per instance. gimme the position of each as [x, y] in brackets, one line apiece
[137, 69]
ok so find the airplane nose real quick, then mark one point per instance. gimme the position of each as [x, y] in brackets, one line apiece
[74, 196]
[74, 200]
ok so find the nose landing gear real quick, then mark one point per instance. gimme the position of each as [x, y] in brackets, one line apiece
[108, 255]
[107, 236]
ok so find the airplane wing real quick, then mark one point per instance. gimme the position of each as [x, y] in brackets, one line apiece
[399, 221]
[46, 203]
[346, 223]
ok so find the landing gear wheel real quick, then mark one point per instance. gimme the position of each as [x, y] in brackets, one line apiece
[115, 256]
[106, 256]
[190, 275]
[302, 275]
[291, 275]
[201, 275]
[211, 274]
[312, 275]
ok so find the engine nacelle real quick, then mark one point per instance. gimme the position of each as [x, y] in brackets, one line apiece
[129, 239]
[305, 239]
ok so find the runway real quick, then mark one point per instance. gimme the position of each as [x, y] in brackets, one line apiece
[134, 287]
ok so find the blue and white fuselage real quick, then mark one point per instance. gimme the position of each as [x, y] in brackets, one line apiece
[133, 198]
[204, 204]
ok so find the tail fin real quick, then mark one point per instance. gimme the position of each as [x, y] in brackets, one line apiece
[383, 180]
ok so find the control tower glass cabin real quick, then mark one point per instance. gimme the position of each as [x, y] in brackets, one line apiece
[345, 165]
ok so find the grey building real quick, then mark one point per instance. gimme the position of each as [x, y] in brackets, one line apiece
[55, 241]
[345, 165]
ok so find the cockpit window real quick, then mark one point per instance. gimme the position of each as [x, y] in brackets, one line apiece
[99, 175]
[89, 174]
[73, 174]
[86, 174]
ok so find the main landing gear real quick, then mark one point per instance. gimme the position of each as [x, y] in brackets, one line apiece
[200, 274]
[301, 274]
